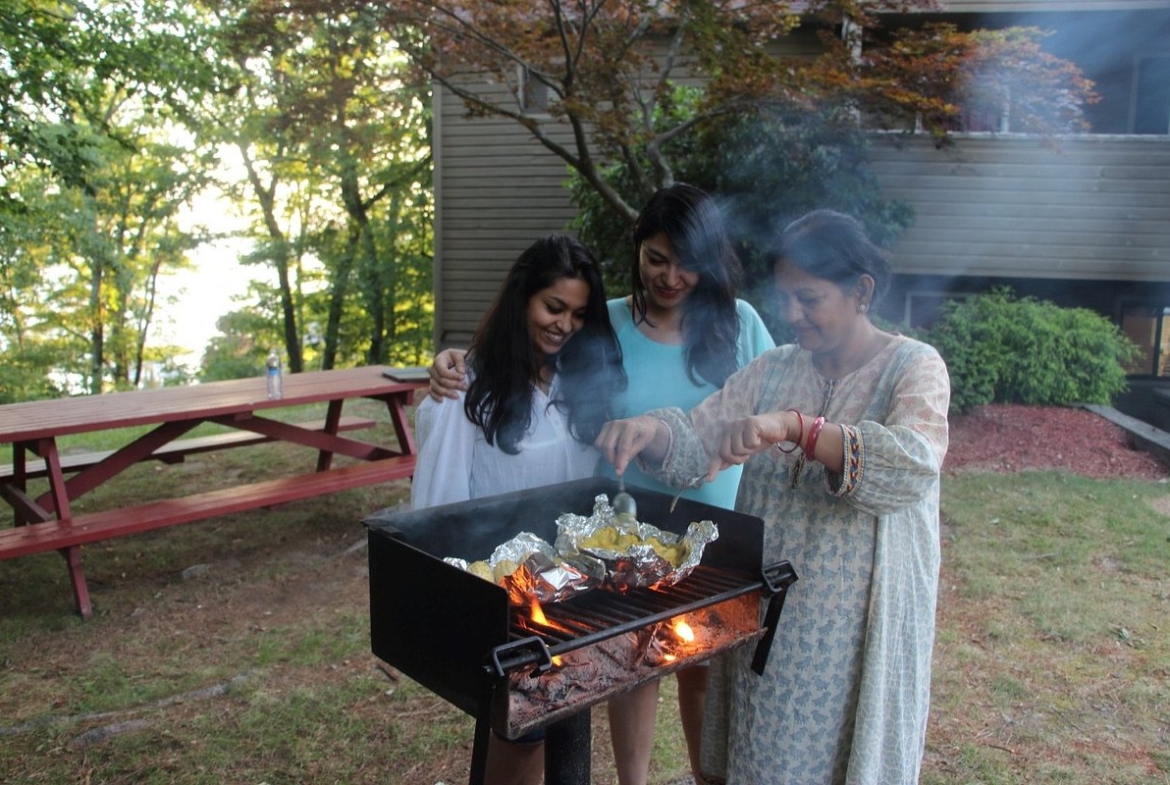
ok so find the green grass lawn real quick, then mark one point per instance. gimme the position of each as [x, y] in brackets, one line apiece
[237, 649]
[1052, 657]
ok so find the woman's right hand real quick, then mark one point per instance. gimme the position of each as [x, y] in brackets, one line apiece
[621, 440]
[447, 373]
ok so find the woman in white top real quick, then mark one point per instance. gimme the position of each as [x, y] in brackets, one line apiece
[543, 366]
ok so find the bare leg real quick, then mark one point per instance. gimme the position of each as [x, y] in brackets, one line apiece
[692, 692]
[631, 731]
[511, 763]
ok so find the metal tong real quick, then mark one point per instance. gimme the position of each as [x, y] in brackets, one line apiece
[694, 482]
[624, 505]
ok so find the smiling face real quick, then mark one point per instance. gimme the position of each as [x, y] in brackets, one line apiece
[556, 313]
[667, 282]
[824, 317]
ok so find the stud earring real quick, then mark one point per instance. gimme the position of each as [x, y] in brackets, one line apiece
[863, 307]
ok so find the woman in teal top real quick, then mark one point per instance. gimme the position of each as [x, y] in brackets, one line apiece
[656, 372]
[682, 333]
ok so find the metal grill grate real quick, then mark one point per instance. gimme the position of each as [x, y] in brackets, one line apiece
[598, 615]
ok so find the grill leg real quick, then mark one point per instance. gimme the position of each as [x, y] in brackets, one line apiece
[568, 751]
[479, 750]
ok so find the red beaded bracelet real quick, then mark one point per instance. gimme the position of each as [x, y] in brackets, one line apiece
[814, 433]
[795, 442]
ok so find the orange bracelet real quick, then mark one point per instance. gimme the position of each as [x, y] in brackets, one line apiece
[795, 442]
[814, 433]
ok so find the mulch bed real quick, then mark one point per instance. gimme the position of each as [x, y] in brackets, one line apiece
[1008, 438]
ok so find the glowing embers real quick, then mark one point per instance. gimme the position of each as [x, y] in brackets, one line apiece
[583, 676]
[683, 633]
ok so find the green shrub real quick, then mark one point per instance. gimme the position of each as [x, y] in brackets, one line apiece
[1000, 348]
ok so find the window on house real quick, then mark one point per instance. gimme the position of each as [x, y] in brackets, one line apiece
[922, 309]
[1148, 326]
[1151, 106]
[982, 118]
[534, 94]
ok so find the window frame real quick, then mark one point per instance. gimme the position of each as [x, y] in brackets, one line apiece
[1157, 354]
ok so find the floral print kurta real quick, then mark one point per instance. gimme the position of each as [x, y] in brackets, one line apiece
[845, 693]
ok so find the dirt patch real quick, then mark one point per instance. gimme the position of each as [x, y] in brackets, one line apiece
[1161, 505]
[1009, 438]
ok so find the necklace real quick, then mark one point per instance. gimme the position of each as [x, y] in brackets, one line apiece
[798, 467]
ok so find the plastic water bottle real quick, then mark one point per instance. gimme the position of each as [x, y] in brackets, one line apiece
[275, 382]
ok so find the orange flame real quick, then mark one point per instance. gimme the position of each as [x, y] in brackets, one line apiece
[537, 613]
[684, 631]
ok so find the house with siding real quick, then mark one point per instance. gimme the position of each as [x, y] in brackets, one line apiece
[1084, 221]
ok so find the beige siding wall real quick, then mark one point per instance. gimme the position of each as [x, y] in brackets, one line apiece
[1093, 208]
[496, 191]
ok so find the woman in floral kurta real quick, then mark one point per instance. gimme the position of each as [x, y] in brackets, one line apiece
[845, 693]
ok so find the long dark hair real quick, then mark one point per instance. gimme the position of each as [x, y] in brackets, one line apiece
[689, 217]
[505, 365]
[834, 247]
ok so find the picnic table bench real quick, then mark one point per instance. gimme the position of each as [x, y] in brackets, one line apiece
[176, 451]
[47, 522]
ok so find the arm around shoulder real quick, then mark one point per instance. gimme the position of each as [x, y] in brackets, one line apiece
[448, 374]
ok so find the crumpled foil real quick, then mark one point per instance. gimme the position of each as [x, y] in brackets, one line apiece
[530, 568]
[632, 561]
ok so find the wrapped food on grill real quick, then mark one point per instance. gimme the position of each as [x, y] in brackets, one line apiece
[528, 567]
[634, 553]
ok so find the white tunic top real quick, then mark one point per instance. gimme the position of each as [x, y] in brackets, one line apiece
[455, 462]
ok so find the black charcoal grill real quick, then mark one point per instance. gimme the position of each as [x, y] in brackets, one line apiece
[458, 635]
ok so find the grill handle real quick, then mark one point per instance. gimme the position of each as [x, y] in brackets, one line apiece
[512, 655]
[776, 578]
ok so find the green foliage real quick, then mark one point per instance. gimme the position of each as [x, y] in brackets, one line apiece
[93, 183]
[111, 118]
[1000, 348]
[341, 192]
[238, 351]
[22, 375]
[608, 232]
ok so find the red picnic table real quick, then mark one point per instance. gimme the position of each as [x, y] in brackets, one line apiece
[46, 521]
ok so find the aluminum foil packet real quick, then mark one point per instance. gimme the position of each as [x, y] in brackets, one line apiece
[550, 580]
[634, 553]
[530, 568]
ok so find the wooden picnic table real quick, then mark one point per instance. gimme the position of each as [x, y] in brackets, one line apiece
[47, 522]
